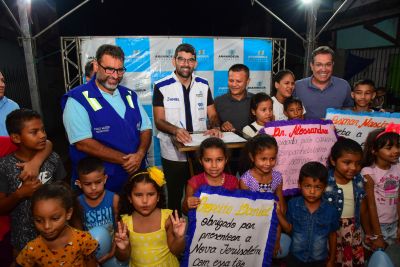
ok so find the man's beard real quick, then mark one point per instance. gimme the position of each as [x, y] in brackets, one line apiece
[184, 74]
[111, 87]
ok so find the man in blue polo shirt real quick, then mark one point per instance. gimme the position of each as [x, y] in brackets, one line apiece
[6, 106]
[106, 120]
[322, 90]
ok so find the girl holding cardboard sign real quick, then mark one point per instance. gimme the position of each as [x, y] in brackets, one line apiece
[263, 151]
[213, 157]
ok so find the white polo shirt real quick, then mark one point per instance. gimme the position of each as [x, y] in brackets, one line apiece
[169, 93]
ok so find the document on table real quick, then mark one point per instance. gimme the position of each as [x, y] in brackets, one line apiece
[227, 137]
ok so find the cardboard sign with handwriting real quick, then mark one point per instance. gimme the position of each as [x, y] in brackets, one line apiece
[357, 125]
[231, 228]
[299, 142]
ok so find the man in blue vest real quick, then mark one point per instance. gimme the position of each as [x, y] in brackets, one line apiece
[106, 120]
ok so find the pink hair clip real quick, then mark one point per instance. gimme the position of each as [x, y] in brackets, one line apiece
[391, 128]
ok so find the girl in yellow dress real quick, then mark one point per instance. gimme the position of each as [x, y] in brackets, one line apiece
[156, 236]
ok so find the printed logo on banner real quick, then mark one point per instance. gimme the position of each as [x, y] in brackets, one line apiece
[137, 53]
[260, 82]
[140, 83]
[209, 76]
[163, 59]
[231, 55]
[258, 54]
[166, 54]
[204, 52]
[227, 52]
[220, 83]
[258, 87]
[162, 52]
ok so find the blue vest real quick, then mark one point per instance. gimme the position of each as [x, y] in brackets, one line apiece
[101, 215]
[122, 134]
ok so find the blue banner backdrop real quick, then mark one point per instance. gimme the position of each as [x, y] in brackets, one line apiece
[149, 59]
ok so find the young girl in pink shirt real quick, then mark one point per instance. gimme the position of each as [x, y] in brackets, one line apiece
[382, 177]
[213, 157]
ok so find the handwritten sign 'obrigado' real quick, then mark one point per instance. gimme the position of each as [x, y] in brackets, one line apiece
[231, 228]
[357, 125]
[299, 142]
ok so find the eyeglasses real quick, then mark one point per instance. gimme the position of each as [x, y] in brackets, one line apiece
[320, 65]
[316, 188]
[182, 60]
[109, 70]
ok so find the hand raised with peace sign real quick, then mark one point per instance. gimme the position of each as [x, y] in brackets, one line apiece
[121, 236]
[178, 225]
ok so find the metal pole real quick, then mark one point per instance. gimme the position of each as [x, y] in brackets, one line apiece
[311, 26]
[12, 18]
[333, 16]
[310, 44]
[280, 20]
[29, 55]
[60, 19]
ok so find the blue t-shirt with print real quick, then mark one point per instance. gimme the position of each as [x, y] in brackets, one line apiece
[101, 215]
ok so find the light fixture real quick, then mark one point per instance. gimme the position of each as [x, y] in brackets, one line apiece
[307, 2]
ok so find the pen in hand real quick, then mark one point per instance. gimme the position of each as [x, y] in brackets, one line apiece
[182, 135]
